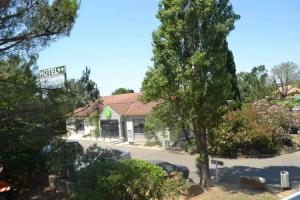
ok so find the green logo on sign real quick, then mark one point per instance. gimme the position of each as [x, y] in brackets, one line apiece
[107, 113]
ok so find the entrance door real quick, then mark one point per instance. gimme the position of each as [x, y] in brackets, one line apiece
[110, 128]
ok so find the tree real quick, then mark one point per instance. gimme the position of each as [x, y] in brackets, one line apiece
[28, 121]
[27, 26]
[254, 85]
[234, 94]
[82, 91]
[122, 91]
[91, 92]
[166, 117]
[283, 75]
[190, 68]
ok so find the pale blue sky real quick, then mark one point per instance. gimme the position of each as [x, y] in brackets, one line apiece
[113, 38]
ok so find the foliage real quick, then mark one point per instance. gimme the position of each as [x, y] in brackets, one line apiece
[283, 75]
[235, 93]
[161, 119]
[90, 87]
[27, 26]
[253, 85]
[83, 91]
[258, 128]
[173, 186]
[28, 121]
[62, 157]
[94, 121]
[193, 68]
[166, 117]
[95, 153]
[126, 180]
[189, 147]
[122, 91]
[151, 143]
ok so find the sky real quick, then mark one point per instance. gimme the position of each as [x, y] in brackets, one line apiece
[113, 38]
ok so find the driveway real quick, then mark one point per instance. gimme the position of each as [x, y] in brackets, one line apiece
[231, 171]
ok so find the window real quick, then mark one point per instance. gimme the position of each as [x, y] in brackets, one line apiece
[110, 128]
[80, 125]
[138, 126]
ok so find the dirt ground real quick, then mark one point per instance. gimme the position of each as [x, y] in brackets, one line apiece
[228, 192]
[236, 192]
[40, 194]
[36, 189]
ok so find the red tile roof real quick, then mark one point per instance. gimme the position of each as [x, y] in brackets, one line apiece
[124, 104]
[120, 108]
[85, 111]
[128, 104]
[140, 109]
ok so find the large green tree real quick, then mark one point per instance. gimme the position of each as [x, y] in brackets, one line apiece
[28, 121]
[190, 71]
[27, 26]
[122, 90]
[83, 91]
[254, 85]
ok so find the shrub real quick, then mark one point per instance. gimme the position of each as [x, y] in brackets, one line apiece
[153, 142]
[62, 157]
[125, 180]
[190, 147]
[95, 153]
[258, 128]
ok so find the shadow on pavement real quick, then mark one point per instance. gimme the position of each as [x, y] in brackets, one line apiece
[229, 177]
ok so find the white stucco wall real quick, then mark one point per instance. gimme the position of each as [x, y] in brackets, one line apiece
[139, 136]
[87, 126]
[71, 126]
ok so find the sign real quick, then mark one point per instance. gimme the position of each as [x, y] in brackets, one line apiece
[107, 113]
[53, 77]
[217, 162]
[52, 71]
[130, 135]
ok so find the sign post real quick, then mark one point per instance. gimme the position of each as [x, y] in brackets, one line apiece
[217, 162]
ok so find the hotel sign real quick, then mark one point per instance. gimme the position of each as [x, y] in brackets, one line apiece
[53, 77]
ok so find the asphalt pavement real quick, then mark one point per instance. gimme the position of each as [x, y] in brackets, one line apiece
[229, 173]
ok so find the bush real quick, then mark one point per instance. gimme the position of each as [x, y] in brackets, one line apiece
[95, 153]
[153, 142]
[62, 157]
[126, 180]
[190, 147]
[258, 128]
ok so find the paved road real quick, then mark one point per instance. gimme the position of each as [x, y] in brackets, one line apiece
[233, 168]
[147, 154]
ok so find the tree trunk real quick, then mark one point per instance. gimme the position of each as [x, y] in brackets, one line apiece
[186, 134]
[201, 145]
